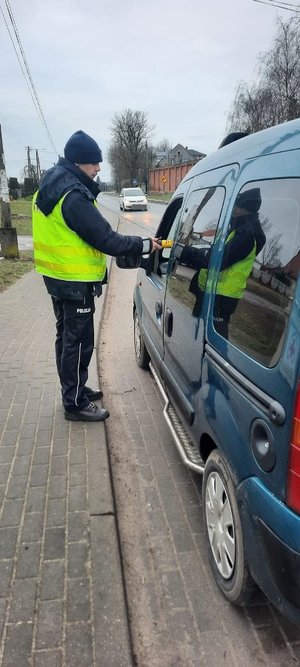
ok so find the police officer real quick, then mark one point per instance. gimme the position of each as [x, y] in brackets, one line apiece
[244, 242]
[71, 239]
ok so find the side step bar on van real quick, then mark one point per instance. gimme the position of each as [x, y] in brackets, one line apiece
[186, 448]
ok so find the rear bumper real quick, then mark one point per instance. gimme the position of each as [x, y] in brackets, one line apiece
[272, 543]
[284, 564]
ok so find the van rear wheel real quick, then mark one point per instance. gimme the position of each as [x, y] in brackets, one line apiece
[141, 352]
[224, 531]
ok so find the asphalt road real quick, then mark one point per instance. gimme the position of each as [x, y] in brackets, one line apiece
[143, 221]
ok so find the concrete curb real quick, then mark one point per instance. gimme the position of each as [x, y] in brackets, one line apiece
[112, 633]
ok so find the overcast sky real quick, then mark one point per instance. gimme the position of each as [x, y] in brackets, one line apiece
[177, 60]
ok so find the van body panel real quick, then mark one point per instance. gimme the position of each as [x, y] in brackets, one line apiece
[271, 510]
[284, 137]
[272, 541]
[233, 415]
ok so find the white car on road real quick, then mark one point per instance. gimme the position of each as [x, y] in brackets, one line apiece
[133, 199]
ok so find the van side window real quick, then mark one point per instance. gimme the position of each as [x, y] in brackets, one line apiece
[259, 269]
[199, 223]
[173, 219]
[167, 230]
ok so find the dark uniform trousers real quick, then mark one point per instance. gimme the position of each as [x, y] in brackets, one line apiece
[74, 348]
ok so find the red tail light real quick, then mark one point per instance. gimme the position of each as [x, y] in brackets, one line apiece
[293, 485]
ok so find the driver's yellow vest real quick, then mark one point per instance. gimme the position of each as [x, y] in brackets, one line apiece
[232, 281]
[61, 253]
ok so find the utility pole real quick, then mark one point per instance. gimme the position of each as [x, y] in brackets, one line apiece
[28, 161]
[33, 170]
[38, 166]
[8, 235]
[4, 192]
[147, 167]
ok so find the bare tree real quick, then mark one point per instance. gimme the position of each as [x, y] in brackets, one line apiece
[127, 152]
[115, 156]
[271, 251]
[281, 70]
[275, 97]
[252, 109]
[272, 248]
[164, 146]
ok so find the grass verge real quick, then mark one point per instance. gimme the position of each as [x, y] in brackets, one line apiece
[12, 269]
[20, 210]
[160, 196]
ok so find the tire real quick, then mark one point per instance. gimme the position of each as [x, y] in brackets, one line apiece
[141, 353]
[224, 532]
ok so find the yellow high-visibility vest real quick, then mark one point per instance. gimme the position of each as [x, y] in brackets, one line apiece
[233, 280]
[61, 253]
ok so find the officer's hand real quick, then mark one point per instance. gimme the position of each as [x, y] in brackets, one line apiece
[156, 244]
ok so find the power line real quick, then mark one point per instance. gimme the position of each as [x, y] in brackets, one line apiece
[25, 69]
[290, 7]
[13, 22]
[18, 57]
[288, 4]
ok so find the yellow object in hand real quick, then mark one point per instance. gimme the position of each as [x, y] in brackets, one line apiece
[167, 243]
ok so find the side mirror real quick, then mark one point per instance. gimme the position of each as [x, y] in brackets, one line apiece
[132, 262]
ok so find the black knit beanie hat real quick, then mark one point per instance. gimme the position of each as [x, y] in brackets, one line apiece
[82, 149]
[249, 200]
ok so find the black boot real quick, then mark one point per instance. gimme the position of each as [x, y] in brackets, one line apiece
[93, 394]
[89, 414]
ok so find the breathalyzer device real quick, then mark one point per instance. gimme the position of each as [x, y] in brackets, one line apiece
[166, 243]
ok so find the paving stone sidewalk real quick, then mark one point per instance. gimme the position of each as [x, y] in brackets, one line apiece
[61, 587]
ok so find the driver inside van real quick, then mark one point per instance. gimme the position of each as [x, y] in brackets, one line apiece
[244, 242]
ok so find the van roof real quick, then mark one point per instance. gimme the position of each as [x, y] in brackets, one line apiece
[275, 139]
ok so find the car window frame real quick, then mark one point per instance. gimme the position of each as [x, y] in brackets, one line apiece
[239, 349]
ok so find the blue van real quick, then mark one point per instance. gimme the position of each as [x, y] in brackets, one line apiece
[217, 318]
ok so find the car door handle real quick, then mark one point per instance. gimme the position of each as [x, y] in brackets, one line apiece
[168, 322]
